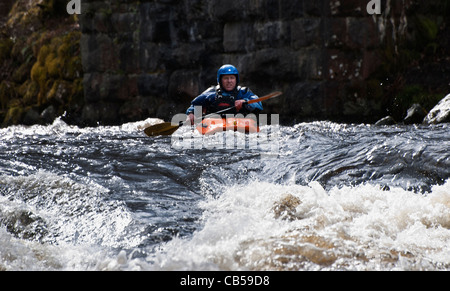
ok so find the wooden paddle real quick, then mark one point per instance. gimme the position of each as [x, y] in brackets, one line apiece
[168, 128]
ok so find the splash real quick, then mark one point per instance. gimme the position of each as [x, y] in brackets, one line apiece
[264, 226]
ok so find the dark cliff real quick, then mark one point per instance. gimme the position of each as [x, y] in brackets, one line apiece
[333, 60]
[41, 73]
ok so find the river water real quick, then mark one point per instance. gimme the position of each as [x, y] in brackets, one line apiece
[314, 196]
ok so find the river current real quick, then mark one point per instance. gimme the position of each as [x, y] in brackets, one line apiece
[314, 196]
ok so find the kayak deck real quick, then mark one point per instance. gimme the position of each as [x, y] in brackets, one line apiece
[213, 125]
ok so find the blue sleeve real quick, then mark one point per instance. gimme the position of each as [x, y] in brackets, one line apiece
[248, 95]
[202, 100]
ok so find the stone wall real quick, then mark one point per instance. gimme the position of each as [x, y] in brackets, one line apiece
[331, 58]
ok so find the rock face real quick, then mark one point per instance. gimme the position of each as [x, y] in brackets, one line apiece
[151, 58]
[440, 113]
[40, 64]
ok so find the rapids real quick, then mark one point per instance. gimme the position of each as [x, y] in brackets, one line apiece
[314, 196]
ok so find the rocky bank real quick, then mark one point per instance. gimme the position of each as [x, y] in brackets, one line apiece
[127, 60]
[41, 74]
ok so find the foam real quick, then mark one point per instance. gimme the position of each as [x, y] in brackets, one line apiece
[63, 219]
[263, 226]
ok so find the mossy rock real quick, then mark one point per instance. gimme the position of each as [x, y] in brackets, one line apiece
[73, 68]
[13, 116]
[22, 73]
[24, 18]
[69, 55]
[39, 75]
[54, 66]
[32, 90]
[59, 91]
[65, 47]
[43, 53]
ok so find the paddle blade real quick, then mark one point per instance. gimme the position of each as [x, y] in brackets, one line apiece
[166, 128]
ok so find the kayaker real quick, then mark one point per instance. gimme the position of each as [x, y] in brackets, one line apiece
[227, 93]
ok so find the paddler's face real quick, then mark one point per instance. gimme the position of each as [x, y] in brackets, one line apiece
[229, 82]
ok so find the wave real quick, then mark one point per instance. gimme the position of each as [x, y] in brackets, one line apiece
[53, 222]
[331, 197]
[263, 226]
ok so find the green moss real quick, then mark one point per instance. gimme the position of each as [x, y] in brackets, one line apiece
[13, 116]
[39, 75]
[70, 51]
[44, 60]
[24, 17]
[31, 92]
[61, 57]
[54, 66]
[43, 53]
[73, 68]
[55, 63]
[65, 48]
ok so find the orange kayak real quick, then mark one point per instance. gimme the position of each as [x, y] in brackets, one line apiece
[212, 125]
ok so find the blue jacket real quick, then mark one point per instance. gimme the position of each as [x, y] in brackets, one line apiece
[215, 99]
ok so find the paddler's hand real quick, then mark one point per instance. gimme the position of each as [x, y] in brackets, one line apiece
[238, 104]
[190, 118]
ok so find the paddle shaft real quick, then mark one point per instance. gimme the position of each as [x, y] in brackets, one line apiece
[269, 96]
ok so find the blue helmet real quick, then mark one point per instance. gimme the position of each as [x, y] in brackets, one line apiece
[227, 70]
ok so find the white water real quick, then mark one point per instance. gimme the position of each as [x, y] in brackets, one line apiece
[338, 197]
[264, 226]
